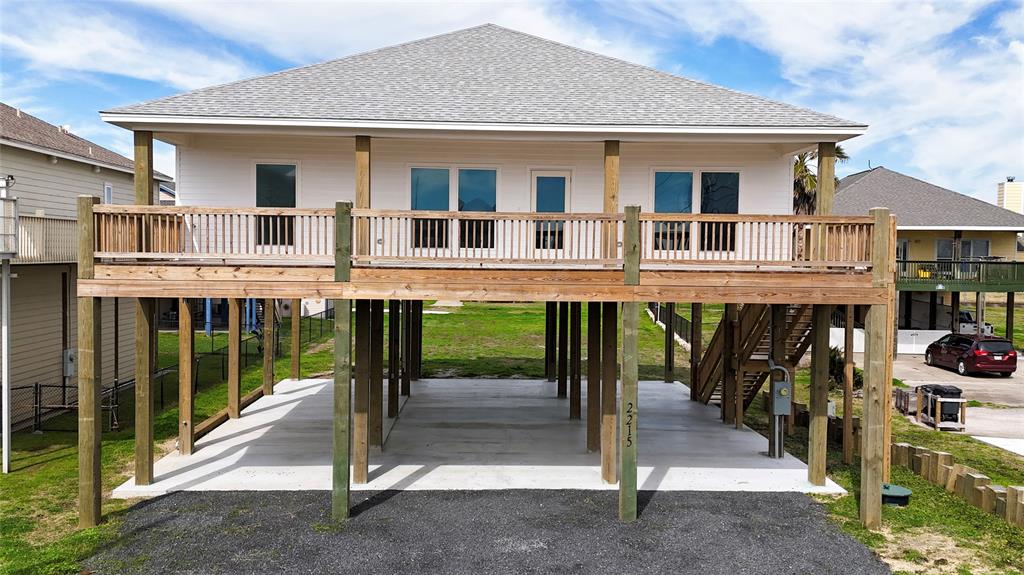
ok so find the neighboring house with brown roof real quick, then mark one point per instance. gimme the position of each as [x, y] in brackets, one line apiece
[51, 166]
[947, 243]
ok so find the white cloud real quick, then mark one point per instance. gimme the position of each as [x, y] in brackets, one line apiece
[60, 39]
[306, 32]
[950, 113]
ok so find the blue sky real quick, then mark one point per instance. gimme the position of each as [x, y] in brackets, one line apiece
[941, 84]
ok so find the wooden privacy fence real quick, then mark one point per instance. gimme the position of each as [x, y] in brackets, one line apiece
[305, 236]
[939, 468]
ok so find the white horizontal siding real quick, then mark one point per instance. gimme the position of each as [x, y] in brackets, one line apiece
[220, 170]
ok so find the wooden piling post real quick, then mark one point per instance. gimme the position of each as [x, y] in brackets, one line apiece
[296, 335]
[90, 360]
[609, 371]
[144, 391]
[954, 307]
[376, 418]
[575, 359]
[670, 342]
[269, 343]
[394, 359]
[817, 435]
[729, 352]
[417, 340]
[778, 337]
[878, 335]
[361, 397]
[186, 363]
[696, 345]
[1010, 296]
[563, 348]
[550, 340]
[593, 376]
[629, 416]
[739, 393]
[342, 389]
[406, 347]
[848, 386]
[234, 357]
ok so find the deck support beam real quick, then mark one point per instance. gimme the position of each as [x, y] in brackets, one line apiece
[779, 330]
[1009, 315]
[696, 346]
[144, 391]
[563, 348]
[296, 338]
[979, 312]
[610, 236]
[628, 417]
[405, 353]
[729, 362]
[670, 341]
[342, 390]
[186, 364]
[269, 345]
[550, 340]
[417, 340]
[879, 336]
[361, 397]
[234, 357]
[609, 371]
[817, 434]
[848, 446]
[394, 357]
[90, 379]
[593, 377]
[376, 419]
[933, 309]
[575, 359]
[826, 178]
[954, 312]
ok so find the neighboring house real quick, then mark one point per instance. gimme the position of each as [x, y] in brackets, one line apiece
[947, 243]
[51, 167]
[492, 165]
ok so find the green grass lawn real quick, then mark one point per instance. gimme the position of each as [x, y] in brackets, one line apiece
[38, 517]
[996, 315]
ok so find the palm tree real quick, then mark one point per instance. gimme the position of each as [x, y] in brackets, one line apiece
[805, 180]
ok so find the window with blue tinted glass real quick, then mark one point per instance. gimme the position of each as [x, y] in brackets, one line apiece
[550, 234]
[430, 187]
[673, 194]
[478, 192]
[719, 194]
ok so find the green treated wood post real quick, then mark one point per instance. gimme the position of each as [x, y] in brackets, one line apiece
[593, 376]
[341, 474]
[563, 348]
[631, 246]
[629, 412]
[89, 376]
[269, 339]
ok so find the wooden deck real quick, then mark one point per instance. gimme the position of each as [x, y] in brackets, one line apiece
[161, 251]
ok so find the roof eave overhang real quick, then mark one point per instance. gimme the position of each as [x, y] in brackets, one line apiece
[224, 124]
[1015, 229]
[76, 158]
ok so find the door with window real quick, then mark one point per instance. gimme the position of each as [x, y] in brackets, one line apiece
[902, 255]
[719, 194]
[673, 194]
[275, 188]
[550, 196]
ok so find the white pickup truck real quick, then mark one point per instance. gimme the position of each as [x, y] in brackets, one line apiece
[969, 325]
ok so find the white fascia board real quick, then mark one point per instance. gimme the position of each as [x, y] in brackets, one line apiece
[962, 228]
[74, 158]
[164, 122]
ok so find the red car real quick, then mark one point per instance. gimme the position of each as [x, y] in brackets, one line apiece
[969, 354]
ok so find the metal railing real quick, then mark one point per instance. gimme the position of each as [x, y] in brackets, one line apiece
[298, 236]
[959, 274]
[679, 325]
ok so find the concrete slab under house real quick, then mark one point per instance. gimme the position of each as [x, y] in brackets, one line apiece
[444, 169]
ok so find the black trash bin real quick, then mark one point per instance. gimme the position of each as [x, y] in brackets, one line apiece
[950, 411]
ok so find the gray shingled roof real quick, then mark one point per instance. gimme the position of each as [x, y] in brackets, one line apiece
[486, 74]
[916, 203]
[20, 127]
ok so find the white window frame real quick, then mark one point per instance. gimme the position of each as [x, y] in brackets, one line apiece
[298, 177]
[453, 181]
[108, 193]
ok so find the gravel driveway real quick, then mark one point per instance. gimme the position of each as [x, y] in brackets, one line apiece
[483, 532]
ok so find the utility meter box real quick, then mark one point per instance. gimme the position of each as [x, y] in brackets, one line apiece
[782, 397]
[70, 362]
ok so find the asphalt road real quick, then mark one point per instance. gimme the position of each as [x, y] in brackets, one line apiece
[476, 532]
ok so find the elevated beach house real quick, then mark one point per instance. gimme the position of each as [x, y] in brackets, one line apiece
[491, 165]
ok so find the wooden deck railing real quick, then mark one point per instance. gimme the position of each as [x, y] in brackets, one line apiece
[960, 275]
[283, 236]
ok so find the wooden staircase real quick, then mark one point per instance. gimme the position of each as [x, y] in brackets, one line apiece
[754, 325]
